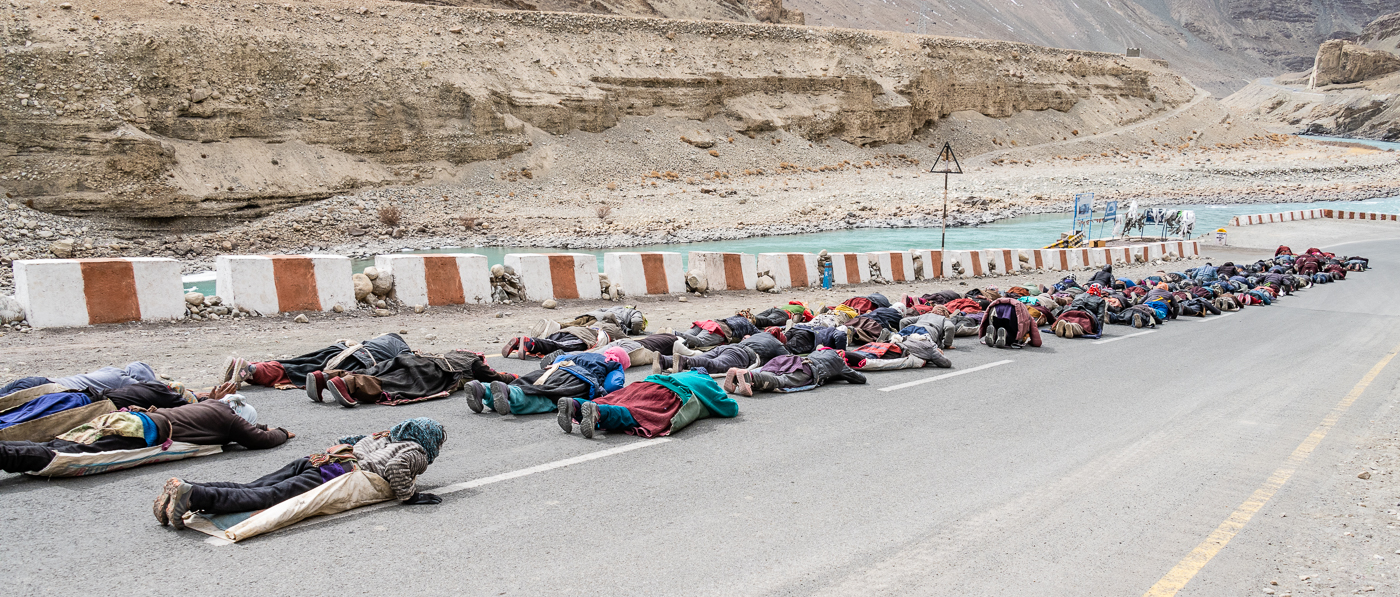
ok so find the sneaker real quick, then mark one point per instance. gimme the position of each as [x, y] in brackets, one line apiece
[338, 390]
[476, 393]
[744, 383]
[680, 348]
[678, 363]
[179, 503]
[315, 385]
[511, 346]
[543, 328]
[730, 385]
[567, 409]
[1001, 337]
[588, 419]
[242, 370]
[500, 397]
[989, 339]
[163, 501]
[548, 359]
[230, 365]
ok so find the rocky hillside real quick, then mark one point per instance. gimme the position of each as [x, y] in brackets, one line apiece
[191, 109]
[1350, 92]
[742, 11]
[1218, 44]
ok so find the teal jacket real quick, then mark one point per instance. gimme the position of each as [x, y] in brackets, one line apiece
[693, 384]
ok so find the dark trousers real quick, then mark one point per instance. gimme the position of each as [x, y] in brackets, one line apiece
[290, 481]
[27, 457]
[23, 383]
[718, 360]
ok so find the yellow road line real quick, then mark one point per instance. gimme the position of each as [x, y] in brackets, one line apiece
[1186, 569]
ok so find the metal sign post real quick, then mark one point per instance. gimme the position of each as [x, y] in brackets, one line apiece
[947, 164]
[1084, 213]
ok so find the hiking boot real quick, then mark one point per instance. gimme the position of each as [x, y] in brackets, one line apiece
[1001, 338]
[338, 390]
[315, 385]
[163, 501]
[989, 339]
[179, 503]
[548, 359]
[678, 363]
[500, 397]
[567, 410]
[588, 419]
[475, 394]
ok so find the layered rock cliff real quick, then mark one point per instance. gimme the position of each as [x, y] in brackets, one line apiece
[203, 109]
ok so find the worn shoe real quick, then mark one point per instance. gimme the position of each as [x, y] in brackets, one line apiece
[547, 360]
[511, 346]
[588, 419]
[338, 390]
[230, 365]
[730, 385]
[1001, 337]
[989, 339]
[678, 363]
[743, 383]
[315, 385]
[163, 500]
[476, 393]
[656, 367]
[500, 397]
[567, 409]
[242, 370]
[680, 348]
[179, 503]
[543, 328]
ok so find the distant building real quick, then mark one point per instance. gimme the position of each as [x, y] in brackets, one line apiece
[1134, 52]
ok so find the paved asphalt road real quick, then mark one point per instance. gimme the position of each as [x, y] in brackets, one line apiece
[1080, 468]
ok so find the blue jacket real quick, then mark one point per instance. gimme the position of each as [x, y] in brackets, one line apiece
[595, 370]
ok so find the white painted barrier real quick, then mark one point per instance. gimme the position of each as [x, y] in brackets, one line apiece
[791, 270]
[932, 264]
[849, 268]
[438, 279]
[556, 275]
[895, 266]
[640, 274]
[1003, 261]
[283, 283]
[80, 292]
[725, 271]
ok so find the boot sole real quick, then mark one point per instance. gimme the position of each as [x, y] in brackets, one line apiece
[566, 414]
[500, 397]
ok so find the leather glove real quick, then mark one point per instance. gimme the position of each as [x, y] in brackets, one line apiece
[420, 499]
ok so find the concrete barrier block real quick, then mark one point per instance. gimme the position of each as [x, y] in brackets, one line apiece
[639, 274]
[284, 283]
[726, 271]
[849, 268]
[791, 270]
[438, 279]
[1003, 261]
[81, 292]
[556, 275]
[931, 264]
[973, 263]
[895, 266]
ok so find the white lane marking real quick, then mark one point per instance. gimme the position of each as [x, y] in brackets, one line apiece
[1210, 318]
[944, 376]
[1122, 337]
[455, 487]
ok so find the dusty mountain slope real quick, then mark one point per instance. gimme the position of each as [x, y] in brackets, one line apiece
[1218, 44]
[742, 11]
[154, 110]
[1351, 92]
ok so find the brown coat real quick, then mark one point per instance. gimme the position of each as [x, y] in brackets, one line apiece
[213, 423]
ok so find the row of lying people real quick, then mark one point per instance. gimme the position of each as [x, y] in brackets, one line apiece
[580, 378]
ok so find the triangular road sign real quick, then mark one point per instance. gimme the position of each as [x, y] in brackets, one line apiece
[947, 162]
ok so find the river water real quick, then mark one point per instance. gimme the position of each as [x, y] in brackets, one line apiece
[1031, 231]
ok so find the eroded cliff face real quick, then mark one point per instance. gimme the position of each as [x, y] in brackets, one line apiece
[741, 11]
[155, 110]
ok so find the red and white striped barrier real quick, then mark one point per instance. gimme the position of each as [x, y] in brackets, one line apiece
[726, 271]
[1003, 261]
[972, 263]
[849, 268]
[791, 270]
[80, 292]
[438, 279]
[1358, 215]
[932, 263]
[639, 274]
[556, 275]
[283, 283]
[1310, 214]
[895, 266]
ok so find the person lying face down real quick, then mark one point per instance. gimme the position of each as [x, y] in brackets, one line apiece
[750, 352]
[569, 339]
[640, 351]
[899, 353]
[288, 373]
[1008, 324]
[793, 373]
[658, 405]
[584, 375]
[714, 332]
[406, 378]
[106, 378]
[222, 419]
[398, 455]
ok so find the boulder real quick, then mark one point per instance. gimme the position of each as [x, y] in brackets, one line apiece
[372, 273]
[10, 310]
[765, 283]
[383, 284]
[363, 286]
[698, 138]
[62, 249]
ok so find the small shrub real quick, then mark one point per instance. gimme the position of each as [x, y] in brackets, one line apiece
[390, 215]
[603, 211]
[468, 222]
